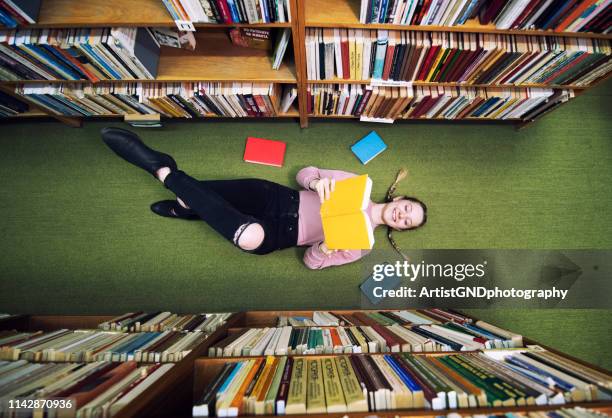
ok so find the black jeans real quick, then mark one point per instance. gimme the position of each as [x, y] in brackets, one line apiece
[229, 206]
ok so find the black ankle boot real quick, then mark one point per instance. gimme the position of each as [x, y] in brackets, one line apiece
[171, 209]
[128, 146]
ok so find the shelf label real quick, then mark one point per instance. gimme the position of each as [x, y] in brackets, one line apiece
[376, 120]
[185, 25]
[389, 83]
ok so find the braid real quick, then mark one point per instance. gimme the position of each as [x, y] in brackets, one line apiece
[401, 175]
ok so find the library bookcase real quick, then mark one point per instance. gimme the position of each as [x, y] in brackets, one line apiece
[174, 395]
[216, 59]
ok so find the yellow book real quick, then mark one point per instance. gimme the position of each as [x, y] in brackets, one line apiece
[334, 396]
[296, 399]
[354, 394]
[358, 54]
[346, 225]
[315, 393]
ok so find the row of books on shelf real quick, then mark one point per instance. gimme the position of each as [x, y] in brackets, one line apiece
[18, 12]
[283, 385]
[413, 102]
[356, 339]
[165, 321]
[92, 54]
[73, 389]
[10, 106]
[94, 345]
[370, 317]
[471, 58]
[563, 15]
[184, 100]
[229, 11]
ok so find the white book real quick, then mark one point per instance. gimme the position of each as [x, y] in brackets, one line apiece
[408, 15]
[281, 11]
[288, 6]
[435, 19]
[362, 11]
[338, 52]
[289, 96]
[283, 342]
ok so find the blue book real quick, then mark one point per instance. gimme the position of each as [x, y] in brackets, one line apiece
[381, 51]
[368, 147]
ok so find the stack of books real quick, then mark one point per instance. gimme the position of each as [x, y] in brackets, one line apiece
[390, 103]
[94, 345]
[565, 15]
[470, 58]
[229, 11]
[74, 389]
[10, 106]
[18, 12]
[182, 100]
[165, 321]
[340, 384]
[92, 54]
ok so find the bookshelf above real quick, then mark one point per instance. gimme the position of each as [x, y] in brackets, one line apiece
[345, 14]
[96, 13]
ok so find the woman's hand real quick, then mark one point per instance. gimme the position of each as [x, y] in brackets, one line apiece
[323, 187]
[326, 251]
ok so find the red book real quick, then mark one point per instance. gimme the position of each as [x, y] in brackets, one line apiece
[574, 15]
[432, 53]
[223, 7]
[388, 61]
[344, 48]
[264, 151]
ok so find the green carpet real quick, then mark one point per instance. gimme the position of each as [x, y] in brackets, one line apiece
[78, 235]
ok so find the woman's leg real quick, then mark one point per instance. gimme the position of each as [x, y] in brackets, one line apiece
[243, 230]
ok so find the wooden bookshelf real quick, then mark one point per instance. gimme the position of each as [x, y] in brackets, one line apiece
[170, 396]
[345, 14]
[175, 393]
[216, 59]
[206, 368]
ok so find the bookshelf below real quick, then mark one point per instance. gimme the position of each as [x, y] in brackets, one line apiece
[345, 14]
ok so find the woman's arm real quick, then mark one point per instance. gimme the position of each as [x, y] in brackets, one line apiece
[308, 174]
[316, 259]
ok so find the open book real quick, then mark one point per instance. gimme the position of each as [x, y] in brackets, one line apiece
[346, 225]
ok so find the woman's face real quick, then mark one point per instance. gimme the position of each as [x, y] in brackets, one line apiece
[403, 214]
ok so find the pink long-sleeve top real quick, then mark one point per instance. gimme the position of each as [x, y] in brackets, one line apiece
[310, 229]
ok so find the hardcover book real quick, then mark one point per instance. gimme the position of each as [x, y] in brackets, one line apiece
[265, 151]
[346, 225]
[367, 148]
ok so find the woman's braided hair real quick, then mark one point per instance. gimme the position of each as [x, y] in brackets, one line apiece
[401, 175]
